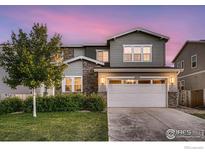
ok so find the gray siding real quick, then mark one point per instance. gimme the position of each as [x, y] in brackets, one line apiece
[195, 82]
[158, 50]
[189, 50]
[74, 69]
[79, 52]
[6, 90]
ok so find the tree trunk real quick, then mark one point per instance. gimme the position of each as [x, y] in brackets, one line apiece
[53, 90]
[34, 102]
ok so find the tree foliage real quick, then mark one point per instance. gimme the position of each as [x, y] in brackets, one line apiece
[29, 59]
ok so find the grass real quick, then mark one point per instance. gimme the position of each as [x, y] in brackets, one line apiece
[200, 115]
[54, 126]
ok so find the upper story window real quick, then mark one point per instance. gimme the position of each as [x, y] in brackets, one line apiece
[178, 65]
[102, 55]
[182, 64]
[194, 61]
[137, 53]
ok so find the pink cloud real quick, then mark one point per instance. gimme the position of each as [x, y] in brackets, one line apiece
[76, 26]
[69, 25]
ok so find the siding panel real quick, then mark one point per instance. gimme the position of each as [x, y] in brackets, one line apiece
[79, 52]
[74, 69]
[116, 50]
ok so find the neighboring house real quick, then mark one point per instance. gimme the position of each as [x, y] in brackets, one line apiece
[6, 91]
[20, 91]
[191, 58]
[129, 68]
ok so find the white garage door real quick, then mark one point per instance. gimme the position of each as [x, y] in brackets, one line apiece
[136, 95]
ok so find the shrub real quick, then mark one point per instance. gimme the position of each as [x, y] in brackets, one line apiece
[71, 102]
[11, 104]
[28, 104]
[95, 103]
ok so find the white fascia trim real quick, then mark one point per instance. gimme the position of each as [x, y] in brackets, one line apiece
[154, 77]
[192, 74]
[137, 70]
[142, 30]
[83, 58]
[121, 77]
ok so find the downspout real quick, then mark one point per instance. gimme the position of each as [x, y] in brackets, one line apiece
[178, 88]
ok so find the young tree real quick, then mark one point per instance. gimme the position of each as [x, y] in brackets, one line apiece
[32, 60]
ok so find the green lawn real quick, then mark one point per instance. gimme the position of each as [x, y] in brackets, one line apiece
[54, 126]
[200, 115]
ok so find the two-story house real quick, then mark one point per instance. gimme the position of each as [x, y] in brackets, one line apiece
[191, 58]
[129, 68]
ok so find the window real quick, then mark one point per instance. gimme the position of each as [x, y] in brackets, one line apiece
[137, 53]
[127, 54]
[158, 81]
[144, 81]
[77, 84]
[194, 61]
[115, 81]
[73, 84]
[68, 85]
[146, 54]
[56, 58]
[102, 55]
[130, 81]
[182, 64]
[182, 85]
[178, 65]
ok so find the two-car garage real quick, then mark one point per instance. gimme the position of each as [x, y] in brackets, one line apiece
[137, 93]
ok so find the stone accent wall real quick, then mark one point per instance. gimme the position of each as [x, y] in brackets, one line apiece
[172, 99]
[90, 78]
[68, 53]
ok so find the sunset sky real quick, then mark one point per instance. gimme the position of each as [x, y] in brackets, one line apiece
[94, 24]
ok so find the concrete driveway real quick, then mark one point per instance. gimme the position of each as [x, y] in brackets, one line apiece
[151, 124]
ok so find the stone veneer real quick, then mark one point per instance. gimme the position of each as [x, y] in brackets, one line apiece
[172, 99]
[90, 78]
[68, 53]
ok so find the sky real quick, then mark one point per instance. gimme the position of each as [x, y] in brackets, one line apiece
[95, 24]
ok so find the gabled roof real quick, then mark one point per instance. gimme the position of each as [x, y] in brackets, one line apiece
[140, 30]
[83, 45]
[187, 42]
[83, 58]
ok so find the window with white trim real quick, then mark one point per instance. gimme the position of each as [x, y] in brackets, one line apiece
[102, 55]
[178, 64]
[73, 84]
[194, 61]
[182, 64]
[182, 85]
[137, 53]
